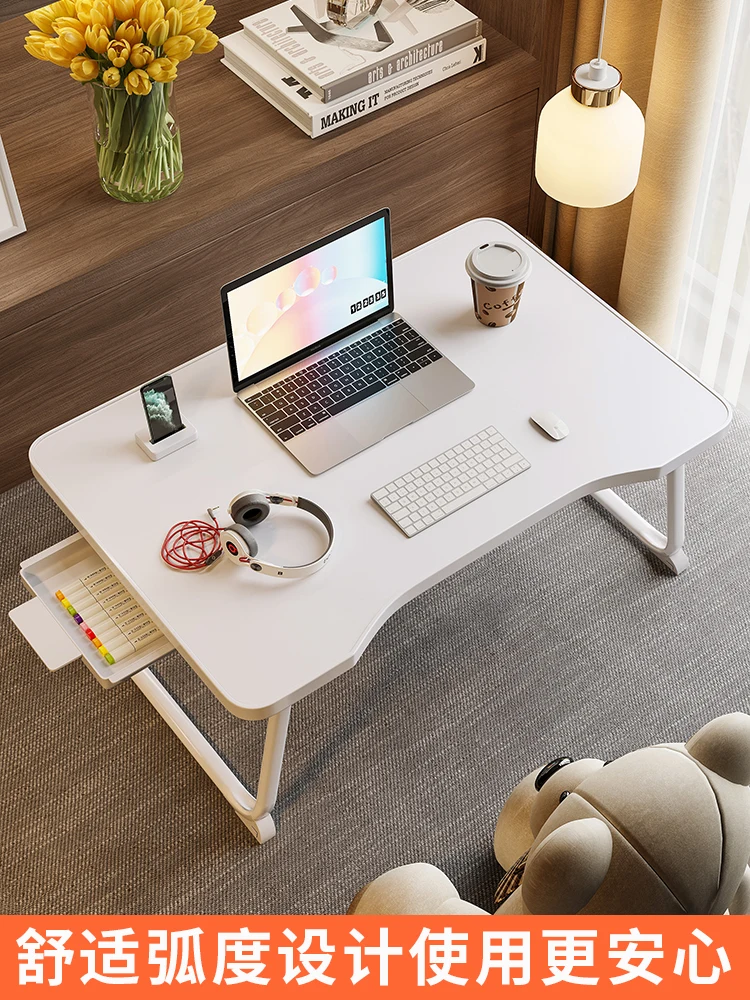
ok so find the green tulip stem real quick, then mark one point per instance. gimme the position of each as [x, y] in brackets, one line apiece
[138, 143]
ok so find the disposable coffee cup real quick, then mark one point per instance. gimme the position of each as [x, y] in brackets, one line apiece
[498, 272]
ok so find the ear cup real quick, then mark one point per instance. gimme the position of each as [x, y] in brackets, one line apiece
[250, 509]
[247, 537]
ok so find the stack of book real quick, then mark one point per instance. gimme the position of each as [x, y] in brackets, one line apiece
[322, 75]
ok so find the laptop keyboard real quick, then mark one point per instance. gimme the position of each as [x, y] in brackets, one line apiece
[342, 379]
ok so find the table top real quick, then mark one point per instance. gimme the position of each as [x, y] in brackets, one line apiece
[261, 644]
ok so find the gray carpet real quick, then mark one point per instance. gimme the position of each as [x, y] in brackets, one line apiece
[567, 640]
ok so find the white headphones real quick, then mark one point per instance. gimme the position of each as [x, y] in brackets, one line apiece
[249, 509]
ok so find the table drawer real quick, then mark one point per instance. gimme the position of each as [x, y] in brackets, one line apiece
[58, 568]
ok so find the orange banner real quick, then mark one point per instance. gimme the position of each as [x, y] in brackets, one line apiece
[369, 956]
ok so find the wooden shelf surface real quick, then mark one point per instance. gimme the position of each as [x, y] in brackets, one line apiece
[89, 264]
[240, 155]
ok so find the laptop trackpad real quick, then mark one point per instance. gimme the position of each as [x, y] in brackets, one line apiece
[381, 415]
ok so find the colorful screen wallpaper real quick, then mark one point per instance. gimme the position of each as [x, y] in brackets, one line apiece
[306, 301]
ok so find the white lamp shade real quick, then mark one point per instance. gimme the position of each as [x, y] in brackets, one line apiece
[589, 157]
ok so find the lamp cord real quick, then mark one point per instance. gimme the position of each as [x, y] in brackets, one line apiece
[601, 33]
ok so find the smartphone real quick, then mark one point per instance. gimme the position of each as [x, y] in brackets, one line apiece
[160, 405]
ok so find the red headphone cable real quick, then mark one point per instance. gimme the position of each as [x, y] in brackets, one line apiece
[192, 545]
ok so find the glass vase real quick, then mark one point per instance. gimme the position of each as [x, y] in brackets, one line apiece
[137, 142]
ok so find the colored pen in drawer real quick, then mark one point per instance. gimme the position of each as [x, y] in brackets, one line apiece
[87, 631]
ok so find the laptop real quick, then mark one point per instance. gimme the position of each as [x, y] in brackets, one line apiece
[318, 354]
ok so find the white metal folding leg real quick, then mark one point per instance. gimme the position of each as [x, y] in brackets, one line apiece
[669, 547]
[254, 811]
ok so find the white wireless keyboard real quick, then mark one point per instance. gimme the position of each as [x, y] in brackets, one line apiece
[450, 481]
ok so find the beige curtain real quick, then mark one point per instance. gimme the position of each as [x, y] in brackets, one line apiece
[633, 254]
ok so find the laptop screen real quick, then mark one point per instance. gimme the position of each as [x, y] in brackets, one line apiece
[289, 309]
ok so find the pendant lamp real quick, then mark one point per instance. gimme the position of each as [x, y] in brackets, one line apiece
[590, 138]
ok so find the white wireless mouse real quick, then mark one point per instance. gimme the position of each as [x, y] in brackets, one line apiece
[552, 425]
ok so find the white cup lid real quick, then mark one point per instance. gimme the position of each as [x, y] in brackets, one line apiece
[500, 265]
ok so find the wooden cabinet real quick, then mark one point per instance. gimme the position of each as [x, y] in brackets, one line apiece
[99, 296]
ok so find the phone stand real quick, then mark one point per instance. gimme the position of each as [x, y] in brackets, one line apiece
[173, 443]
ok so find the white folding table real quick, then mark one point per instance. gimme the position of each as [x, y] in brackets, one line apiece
[262, 644]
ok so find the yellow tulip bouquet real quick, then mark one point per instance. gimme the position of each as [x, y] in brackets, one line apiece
[129, 52]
